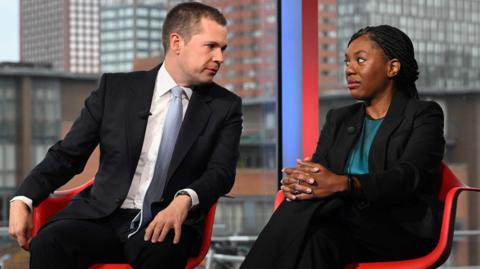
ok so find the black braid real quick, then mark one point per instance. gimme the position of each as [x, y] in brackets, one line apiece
[395, 45]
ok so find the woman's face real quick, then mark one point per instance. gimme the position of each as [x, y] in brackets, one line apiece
[368, 72]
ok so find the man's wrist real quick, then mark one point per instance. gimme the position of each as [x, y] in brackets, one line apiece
[190, 192]
[185, 197]
[25, 200]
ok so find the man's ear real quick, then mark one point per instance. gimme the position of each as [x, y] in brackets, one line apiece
[176, 42]
[394, 66]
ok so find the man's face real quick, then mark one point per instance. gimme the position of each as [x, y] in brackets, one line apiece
[200, 58]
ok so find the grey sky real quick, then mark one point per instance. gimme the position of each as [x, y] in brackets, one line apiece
[9, 42]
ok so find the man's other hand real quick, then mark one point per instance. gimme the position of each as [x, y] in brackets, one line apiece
[20, 225]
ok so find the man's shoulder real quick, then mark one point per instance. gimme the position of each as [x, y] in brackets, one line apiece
[216, 91]
[122, 76]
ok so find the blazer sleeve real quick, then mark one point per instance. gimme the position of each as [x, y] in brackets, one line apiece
[219, 175]
[67, 157]
[416, 168]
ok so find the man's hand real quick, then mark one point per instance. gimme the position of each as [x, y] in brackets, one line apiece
[20, 225]
[171, 217]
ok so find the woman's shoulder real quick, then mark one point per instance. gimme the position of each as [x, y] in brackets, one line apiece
[420, 106]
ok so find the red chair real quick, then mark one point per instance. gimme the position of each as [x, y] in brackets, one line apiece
[450, 188]
[50, 206]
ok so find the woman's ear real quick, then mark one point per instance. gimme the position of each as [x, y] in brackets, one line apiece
[394, 66]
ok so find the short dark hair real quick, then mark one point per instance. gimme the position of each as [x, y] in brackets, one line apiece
[185, 19]
[395, 45]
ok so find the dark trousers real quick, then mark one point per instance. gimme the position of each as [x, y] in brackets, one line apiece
[72, 243]
[333, 242]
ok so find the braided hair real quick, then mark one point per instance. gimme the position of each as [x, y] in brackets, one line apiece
[395, 45]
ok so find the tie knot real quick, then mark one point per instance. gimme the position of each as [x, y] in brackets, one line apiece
[177, 91]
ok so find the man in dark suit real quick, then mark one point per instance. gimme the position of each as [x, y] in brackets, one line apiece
[127, 116]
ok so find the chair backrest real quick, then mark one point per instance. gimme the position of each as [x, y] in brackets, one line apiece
[448, 180]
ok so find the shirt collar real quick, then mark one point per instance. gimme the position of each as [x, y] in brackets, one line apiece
[165, 82]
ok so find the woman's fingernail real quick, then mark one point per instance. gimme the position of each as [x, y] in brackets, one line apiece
[310, 180]
[309, 190]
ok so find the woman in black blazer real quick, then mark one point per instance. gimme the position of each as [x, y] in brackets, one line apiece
[369, 191]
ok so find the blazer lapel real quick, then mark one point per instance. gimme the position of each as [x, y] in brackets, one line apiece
[140, 100]
[348, 133]
[378, 150]
[197, 115]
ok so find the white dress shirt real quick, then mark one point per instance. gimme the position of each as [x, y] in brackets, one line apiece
[146, 164]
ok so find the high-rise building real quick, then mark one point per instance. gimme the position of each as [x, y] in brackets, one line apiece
[64, 33]
[131, 29]
[250, 67]
[327, 45]
[444, 33]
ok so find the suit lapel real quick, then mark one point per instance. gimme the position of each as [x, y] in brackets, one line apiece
[378, 150]
[140, 100]
[197, 115]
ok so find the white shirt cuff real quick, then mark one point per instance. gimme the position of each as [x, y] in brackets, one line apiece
[193, 195]
[26, 200]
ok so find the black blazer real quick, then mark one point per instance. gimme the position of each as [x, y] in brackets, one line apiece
[113, 116]
[401, 186]
[405, 156]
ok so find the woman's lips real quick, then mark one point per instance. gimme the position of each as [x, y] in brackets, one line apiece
[353, 84]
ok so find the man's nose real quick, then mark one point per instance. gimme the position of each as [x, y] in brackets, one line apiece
[218, 56]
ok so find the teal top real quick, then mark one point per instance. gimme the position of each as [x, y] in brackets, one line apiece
[358, 161]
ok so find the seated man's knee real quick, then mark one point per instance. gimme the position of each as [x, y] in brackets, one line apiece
[42, 241]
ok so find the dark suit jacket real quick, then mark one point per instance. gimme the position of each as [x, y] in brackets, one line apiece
[401, 186]
[113, 116]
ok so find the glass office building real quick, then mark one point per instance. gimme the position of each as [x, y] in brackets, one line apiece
[130, 30]
[444, 33]
[61, 33]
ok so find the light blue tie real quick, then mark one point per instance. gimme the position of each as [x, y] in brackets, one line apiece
[173, 121]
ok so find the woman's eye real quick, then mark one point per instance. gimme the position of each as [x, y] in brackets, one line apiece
[360, 60]
[347, 62]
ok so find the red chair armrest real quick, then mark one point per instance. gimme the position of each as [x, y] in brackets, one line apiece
[54, 203]
[279, 198]
[441, 251]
